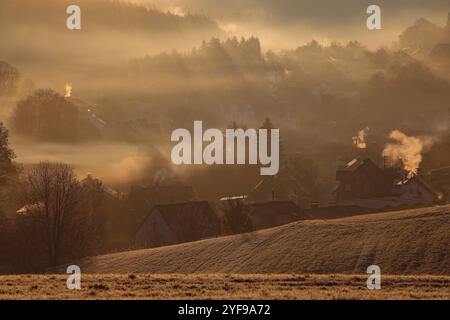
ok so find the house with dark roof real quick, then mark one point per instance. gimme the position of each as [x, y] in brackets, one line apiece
[415, 191]
[274, 213]
[362, 179]
[170, 224]
[278, 188]
[363, 184]
[143, 199]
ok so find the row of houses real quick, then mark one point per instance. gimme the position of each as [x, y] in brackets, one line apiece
[363, 187]
[162, 215]
[169, 224]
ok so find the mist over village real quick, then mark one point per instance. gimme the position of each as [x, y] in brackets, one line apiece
[180, 137]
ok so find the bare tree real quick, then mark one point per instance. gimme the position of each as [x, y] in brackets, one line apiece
[55, 202]
[237, 216]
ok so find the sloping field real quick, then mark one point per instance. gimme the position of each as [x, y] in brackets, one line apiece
[404, 242]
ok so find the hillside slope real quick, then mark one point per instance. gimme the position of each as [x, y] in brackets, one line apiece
[404, 242]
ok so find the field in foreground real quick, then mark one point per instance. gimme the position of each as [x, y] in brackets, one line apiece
[223, 287]
[406, 242]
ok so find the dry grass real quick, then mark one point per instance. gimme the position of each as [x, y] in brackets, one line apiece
[219, 286]
[269, 264]
[405, 242]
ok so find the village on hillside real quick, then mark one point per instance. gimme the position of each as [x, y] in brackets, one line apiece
[87, 123]
[166, 214]
[169, 211]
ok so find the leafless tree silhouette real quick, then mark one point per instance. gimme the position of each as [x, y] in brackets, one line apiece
[55, 202]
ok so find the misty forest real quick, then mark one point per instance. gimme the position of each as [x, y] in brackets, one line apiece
[86, 118]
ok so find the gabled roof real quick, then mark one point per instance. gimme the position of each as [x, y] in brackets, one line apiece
[274, 186]
[190, 221]
[90, 179]
[354, 163]
[419, 180]
[234, 198]
[30, 208]
[357, 163]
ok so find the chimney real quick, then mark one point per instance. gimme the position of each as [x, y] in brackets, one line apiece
[419, 171]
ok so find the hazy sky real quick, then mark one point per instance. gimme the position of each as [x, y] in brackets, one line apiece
[279, 22]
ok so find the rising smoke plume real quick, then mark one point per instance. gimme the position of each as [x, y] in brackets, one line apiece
[360, 139]
[68, 90]
[407, 150]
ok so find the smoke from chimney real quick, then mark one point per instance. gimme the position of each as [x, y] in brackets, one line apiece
[68, 90]
[360, 139]
[407, 150]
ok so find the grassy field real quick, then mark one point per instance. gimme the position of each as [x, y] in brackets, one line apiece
[219, 286]
[318, 259]
[405, 242]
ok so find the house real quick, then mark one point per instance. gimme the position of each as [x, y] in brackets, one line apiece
[363, 184]
[142, 199]
[170, 224]
[274, 213]
[93, 183]
[280, 187]
[362, 179]
[415, 191]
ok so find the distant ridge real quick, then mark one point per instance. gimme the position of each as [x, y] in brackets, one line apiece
[110, 30]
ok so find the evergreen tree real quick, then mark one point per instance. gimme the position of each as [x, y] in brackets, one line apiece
[7, 155]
